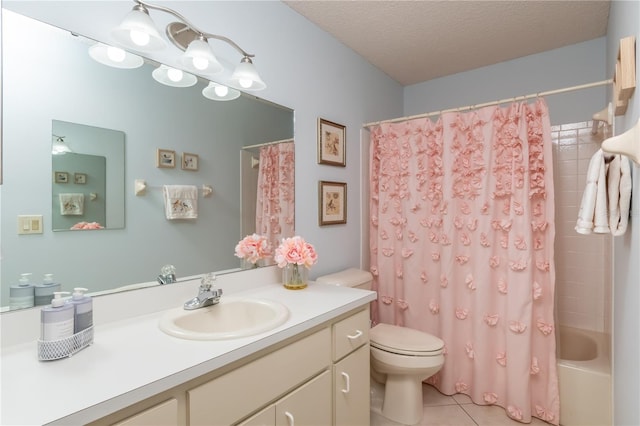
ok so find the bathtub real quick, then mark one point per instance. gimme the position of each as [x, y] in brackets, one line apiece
[584, 375]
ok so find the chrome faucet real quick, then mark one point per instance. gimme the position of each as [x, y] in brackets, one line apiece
[206, 295]
[167, 275]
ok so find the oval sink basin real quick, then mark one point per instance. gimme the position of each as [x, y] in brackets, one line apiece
[229, 319]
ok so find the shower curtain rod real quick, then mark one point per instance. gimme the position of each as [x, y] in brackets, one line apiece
[258, 145]
[501, 101]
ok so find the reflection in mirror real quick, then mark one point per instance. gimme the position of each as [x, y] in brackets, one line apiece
[268, 198]
[59, 81]
[88, 177]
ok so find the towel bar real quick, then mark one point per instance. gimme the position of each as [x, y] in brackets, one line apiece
[140, 188]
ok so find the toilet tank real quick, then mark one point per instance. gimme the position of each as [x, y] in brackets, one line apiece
[352, 277]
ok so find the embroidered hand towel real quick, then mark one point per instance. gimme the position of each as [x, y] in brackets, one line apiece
[71, 204]
[180, 201]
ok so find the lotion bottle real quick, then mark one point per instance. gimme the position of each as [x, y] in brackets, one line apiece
[83, 309]
[22, 295]
[44, 292]
[56, 321]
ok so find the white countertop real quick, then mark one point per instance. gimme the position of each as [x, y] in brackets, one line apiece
[132, 359]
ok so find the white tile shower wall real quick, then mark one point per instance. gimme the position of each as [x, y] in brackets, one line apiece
[583, 262]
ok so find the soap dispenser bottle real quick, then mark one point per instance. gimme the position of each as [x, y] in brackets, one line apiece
[83, 309]
[56, 321]
[22, 295]
[44, 292]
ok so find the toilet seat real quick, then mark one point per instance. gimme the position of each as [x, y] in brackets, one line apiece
[405, 341]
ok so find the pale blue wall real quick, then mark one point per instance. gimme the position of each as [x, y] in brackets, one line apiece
[624, 20]
[555, 69]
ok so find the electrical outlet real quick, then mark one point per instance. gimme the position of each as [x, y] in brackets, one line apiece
[31, 224]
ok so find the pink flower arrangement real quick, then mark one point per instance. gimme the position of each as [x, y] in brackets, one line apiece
[86, 225]
[253, 248]
[295, 250]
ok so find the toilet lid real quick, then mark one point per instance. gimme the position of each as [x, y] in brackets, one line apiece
[403, 340]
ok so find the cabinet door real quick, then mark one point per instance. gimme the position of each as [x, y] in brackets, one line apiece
[310, 404]
[351, 389]
[160, 415]
[266, 417]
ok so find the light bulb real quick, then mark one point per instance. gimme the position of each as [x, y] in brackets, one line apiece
[200, 63]
[115, 54]
[221, 90]
[139, 37]
[174, 74]
[245, 82]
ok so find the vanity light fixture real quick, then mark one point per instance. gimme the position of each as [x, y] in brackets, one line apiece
[199, 58]
[114, 56]
[173, 77]
[138, 32]
[219, 92]
[246, 75]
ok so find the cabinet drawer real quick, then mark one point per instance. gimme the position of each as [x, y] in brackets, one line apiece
[241, 391]
[160, 415]
[350, 333]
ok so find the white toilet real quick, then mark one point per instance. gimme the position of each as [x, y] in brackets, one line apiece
[401, 357]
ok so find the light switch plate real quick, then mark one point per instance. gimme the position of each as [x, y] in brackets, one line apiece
[31, 224]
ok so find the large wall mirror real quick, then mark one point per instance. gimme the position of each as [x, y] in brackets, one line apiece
[57, 82]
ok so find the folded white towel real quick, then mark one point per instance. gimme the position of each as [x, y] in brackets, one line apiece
[180, 201]
[592, 216]
[71, 204]
[619, 190]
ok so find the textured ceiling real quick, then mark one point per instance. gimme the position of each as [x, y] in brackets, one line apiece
[415, 41]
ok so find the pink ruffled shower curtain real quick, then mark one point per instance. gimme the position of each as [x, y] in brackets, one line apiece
[276, 192]
[462, 233]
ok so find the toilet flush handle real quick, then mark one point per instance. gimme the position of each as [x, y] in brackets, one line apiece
[355, 336]
[347, 381]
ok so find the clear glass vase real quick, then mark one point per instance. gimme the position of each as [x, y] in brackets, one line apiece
[246, 264]
[295, 277]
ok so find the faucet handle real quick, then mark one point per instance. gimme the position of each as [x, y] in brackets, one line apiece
[208, 281]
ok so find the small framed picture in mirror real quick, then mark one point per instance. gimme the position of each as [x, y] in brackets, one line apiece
[79, 178]
[166, 158]
[61, 177]
[190, 161]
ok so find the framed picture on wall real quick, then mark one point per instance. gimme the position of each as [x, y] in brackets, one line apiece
[332, 202]
[166, 158]
[190, 161]
[61, 177]
[332, 140]
[79, 178]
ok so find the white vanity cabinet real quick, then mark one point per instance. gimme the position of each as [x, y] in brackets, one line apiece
[321, 378]
[351, 376]
[232, 396]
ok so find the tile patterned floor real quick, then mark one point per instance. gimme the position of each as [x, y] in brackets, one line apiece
[443, 410]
